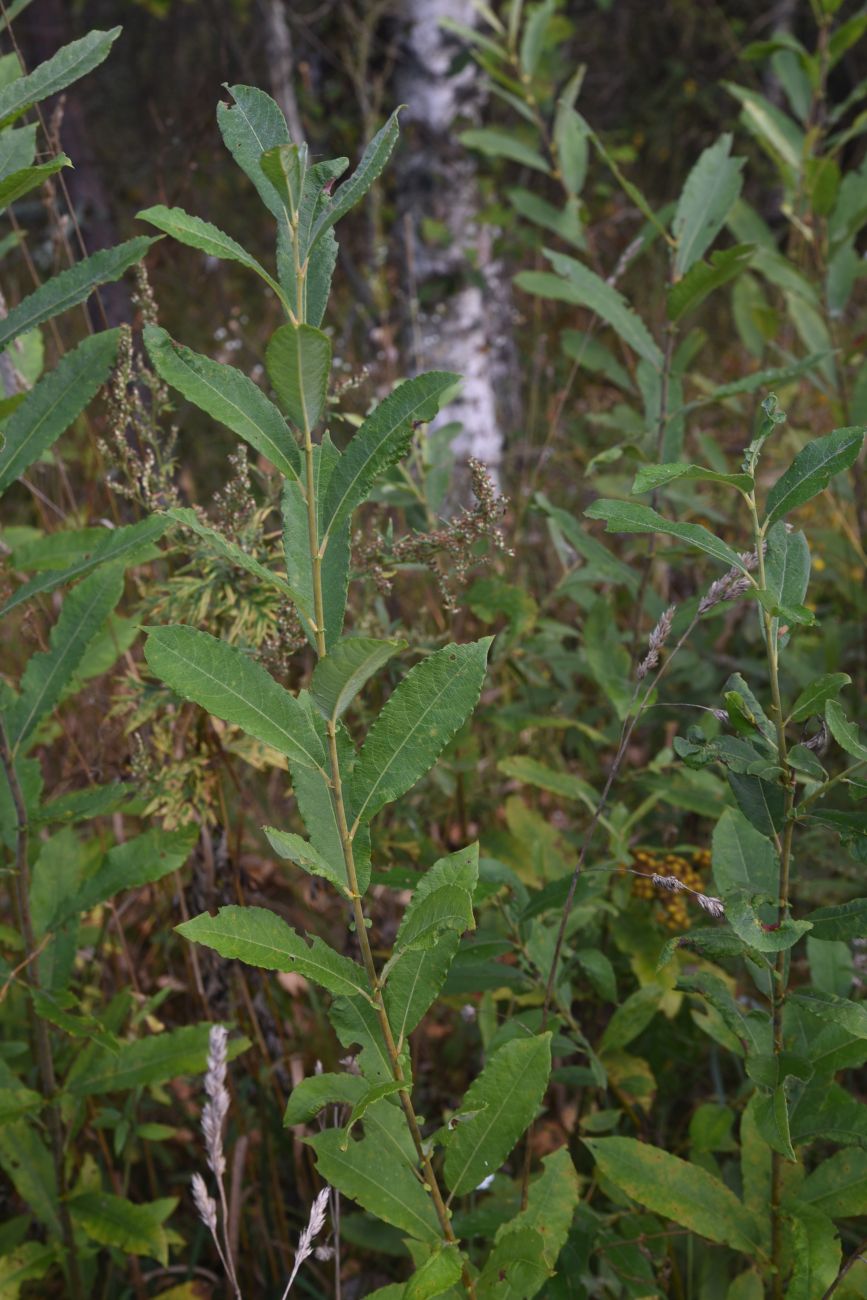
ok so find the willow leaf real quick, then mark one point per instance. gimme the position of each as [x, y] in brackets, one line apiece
[230, 550]
[54, 402]
[678, 1190]
[630, 517]
[128, 544]
[48, 672]
[232, 686]
[19, 183]
[298, 360]
[708, 195]
[260, 938]
[227, 395]
[69, 64]
[381, 441]
[373, 1173]
[499, 1106]
[69, 288]
[204, 236]
[425, 711]
[370, 167]
[812, 470]
[340, 675]
[575, 283]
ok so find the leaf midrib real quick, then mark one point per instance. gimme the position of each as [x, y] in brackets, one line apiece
[244, 700]
[504, 1100]
[452, 681]
[780, 508]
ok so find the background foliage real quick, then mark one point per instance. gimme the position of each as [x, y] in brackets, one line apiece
[581, 1015]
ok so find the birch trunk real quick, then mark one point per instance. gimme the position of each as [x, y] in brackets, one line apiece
[460, 308]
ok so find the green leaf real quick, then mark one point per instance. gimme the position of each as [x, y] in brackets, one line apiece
[11, 12]
[677, 1190]
[69, 64]
[812, 470]
[194, 232]
[69, 288]
[852, 1016]
[227, 395]
[17, 184]
[447, 908]
[260, 938]
[314, 795]
[421, 717]
[115, 1221]
[340, 674]
[516, 1268]
[533, 36]
[761, 801]
[572, 143]
[631, 1018]
[380, 442]
[437, 1275]
[17, 149]
[751, 1029]
[226, 682]
[840, 920]
[838, 1186]
[810, 703]
[565, 222]
[53, 403]
[704, 277]
[771, 127]
[710, 191]
[370, 167]
[153, 1059]
[230, 550]
[27, 1163]
[565, 784]
[498, 1105]
[307, 856]
[651, 477]
[139, 861]
[527, 1247]
[377, 1173]
[599, 971]
[296, 548]
[417, 978]
[760, 379]
[312, 1094]
[576, 284]
[251, 126]
[298, 360]
[787, 572]
[16, 1103]
[844, 732]
[771, 1114]
[129, 543]
[816, 1253]
[48, 672]
[630, 517]
[503, 144]
[831, 965]
[356, 1022]
[30, 1260]
[372, 1093]
[743, 859]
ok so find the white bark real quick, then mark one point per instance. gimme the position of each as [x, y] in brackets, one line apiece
[468, 330]
[280, 55]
